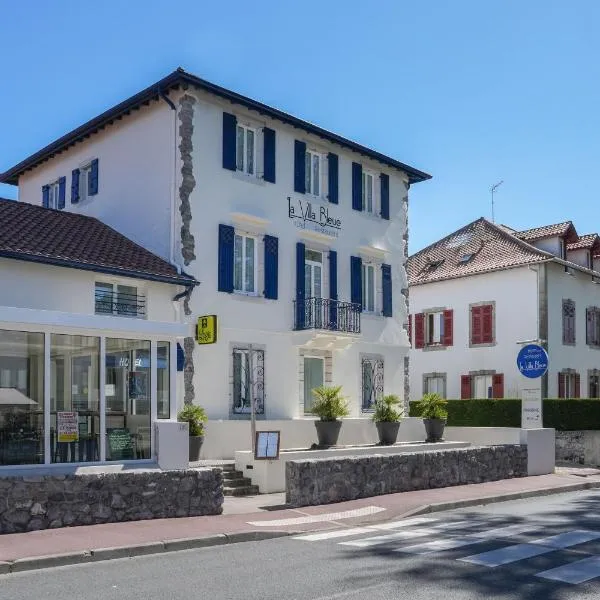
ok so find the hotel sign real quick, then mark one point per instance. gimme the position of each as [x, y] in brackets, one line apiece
[206, 329]
[307, 215]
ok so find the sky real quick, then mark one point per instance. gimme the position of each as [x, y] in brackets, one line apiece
[471, 91]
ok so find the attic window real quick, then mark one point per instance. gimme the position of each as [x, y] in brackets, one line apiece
[460, 240]
[431, 266]
[465, 258]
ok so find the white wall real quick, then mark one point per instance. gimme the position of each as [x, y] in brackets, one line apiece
[135, 176]
[515, 294]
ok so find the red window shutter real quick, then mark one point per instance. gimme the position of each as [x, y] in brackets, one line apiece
[561, 385]
[498, 385]
[410, 340]
[476, 326]
[487, 317]
[465, 387]
[419, 330]
[448, 328]
[577, 390]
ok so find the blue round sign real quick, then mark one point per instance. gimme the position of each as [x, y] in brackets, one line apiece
[532, 361]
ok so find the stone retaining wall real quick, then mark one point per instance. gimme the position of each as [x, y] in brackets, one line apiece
[580, 447]
[29, 503]
[321, 481]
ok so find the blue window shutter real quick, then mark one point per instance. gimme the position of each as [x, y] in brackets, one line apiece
[269, 155]
[45, 196]
[226, 239]
[75, 186]
[93, 178]
[357, 200]
[229, 132]
[299, 167]
[62, 190]
[385, 196]
[271, 266]
[356, 280]
[300, 287]
[386, 285]
[333, 293]
[180, 358]
[332, 163]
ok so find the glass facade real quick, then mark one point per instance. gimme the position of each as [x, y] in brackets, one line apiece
[163, 383]
[127, 390]
[21, 397]
[74, 398]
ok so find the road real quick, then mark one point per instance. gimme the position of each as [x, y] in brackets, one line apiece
[542, 549]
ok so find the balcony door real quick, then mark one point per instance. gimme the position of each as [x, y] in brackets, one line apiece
[313, 274]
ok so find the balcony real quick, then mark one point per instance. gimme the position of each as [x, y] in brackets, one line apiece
[120, 304]
[327, 315]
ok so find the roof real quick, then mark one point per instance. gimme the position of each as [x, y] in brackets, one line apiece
[538, 233]
[477, 248]
[44, 235]
[587, 241]
[181, 79]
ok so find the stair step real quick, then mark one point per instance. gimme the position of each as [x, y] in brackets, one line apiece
[236, 483]
[228, 467]
[232, 475]
[247, 490]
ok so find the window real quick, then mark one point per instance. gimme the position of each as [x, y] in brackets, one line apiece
[568, 322]
[248, 380]
[163, 373]
[372, 381]
[53, 191]
[594, 384]
[314, 376]
[481, 386]
[593, 326]
[569, 384]
[84, 182]
[482, 324]
[368, 288]
[435, 384]
[244, 264]
[312, 173]
[313, 274]
[246, 150]
[434, 328]
[117, 299]
[368, 192]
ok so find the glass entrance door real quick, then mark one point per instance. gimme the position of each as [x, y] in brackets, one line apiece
[314, 371]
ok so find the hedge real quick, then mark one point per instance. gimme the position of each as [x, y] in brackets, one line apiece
[561, 414]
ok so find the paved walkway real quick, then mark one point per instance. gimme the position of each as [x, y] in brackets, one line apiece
[264, 516]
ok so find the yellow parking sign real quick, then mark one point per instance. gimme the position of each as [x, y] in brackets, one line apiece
[206, 330]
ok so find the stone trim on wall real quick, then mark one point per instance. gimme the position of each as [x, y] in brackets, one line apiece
[188, 182]
[189, 344]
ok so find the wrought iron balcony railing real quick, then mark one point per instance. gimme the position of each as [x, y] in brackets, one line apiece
[324, 313]
[120, 304]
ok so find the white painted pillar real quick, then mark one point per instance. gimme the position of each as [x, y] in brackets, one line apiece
[47, 448]
[102, 391]
[153, 392]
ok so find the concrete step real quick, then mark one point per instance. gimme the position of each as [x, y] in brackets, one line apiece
[247, 490]
[232, 475]
[235, 483]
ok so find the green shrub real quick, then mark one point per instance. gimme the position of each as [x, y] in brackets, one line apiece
[329, 404]
[559, 413]
[195, 416]
[385, 410]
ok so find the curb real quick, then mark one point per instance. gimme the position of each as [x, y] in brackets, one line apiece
[100, 554]
[442, 506]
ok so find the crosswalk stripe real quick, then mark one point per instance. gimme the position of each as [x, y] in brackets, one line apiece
[382, 539]
[506, 555]
[439, 545]
[575, 572]
[570, 538]
[507, 531]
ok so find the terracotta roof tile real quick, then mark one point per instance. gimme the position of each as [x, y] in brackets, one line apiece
[477, 248]
[585, 241]
[537, 233]
[33, 233]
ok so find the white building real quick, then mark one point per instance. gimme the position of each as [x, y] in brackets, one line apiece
[297, 235]
[89, 327]
[480, 292]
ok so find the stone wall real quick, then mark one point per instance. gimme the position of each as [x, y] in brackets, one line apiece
[570, 447]
[321, 481]
[29, 503]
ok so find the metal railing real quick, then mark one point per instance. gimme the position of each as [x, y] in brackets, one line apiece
[324, 313]
[121, 304]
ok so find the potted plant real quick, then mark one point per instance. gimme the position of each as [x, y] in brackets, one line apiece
[432, 408]
[195, 417]
[330, 406]
[387, 419]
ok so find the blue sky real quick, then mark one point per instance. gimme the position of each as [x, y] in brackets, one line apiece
[470, 91]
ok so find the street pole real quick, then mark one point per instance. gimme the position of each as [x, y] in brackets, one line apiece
[252, 399]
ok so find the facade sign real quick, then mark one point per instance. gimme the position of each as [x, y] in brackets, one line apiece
[531, 409]
[306, 215]
[67, 426]
[532, 361]
[206, 330]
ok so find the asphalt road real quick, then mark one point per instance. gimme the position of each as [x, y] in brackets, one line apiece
[463, 554]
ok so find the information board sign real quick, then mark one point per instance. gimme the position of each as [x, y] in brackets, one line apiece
[67, 426]
[267, 445]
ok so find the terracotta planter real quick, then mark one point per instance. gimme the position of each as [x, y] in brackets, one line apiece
[388, 432]
[328, 432]
[196, 442]
[434, 429]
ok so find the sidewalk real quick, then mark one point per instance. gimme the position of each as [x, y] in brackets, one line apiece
[261, 517]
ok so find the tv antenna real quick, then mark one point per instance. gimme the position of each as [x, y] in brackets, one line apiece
[493, 191]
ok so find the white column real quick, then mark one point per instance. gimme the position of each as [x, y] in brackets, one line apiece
[102, 399]
[173, 400]
[153, 392]
[47, 449]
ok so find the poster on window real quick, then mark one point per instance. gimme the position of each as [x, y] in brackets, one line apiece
[138, 385]
[67, 426]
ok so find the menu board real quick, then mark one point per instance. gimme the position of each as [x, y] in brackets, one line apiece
[67, 426]
[120, 444]
[267, 445]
